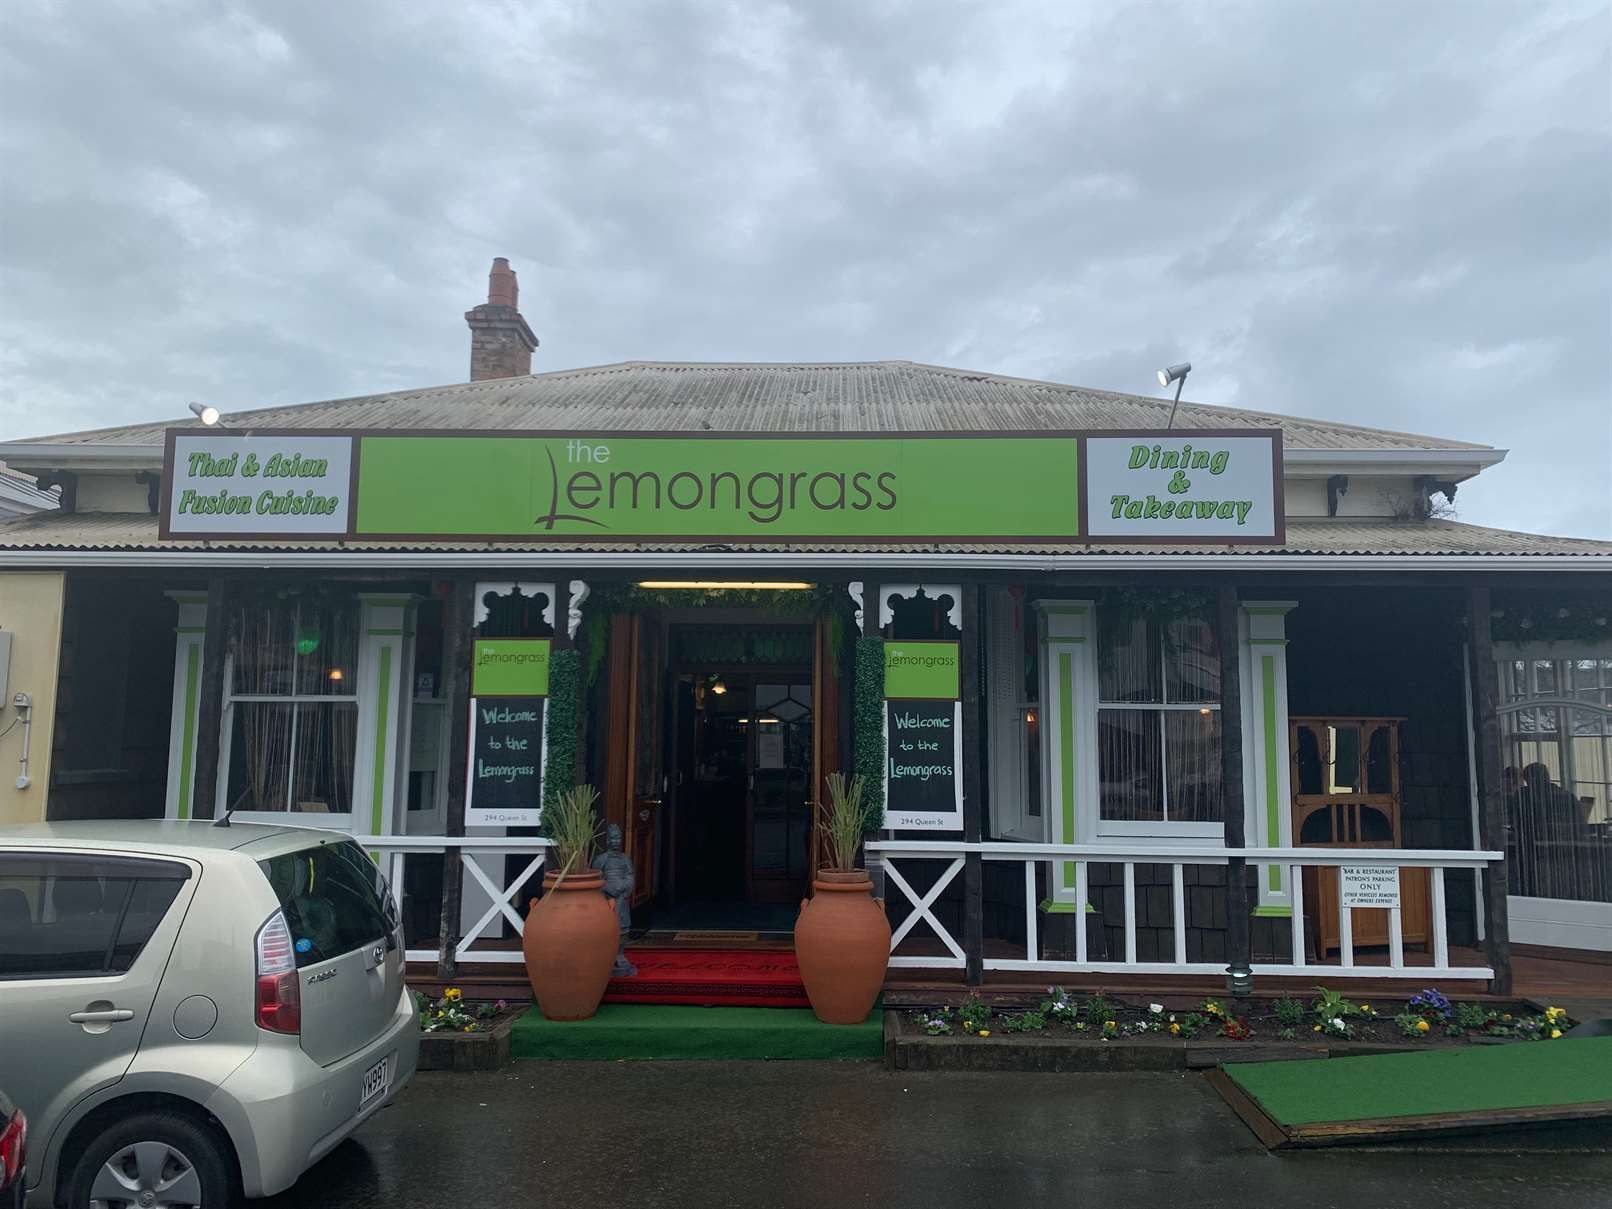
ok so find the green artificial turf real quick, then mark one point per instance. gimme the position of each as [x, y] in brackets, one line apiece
[640, 1030]
[1468, 1079]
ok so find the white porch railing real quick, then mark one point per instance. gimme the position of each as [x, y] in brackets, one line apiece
[1292, 860]
[396, 848]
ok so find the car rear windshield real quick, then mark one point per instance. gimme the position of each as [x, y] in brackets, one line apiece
[332, 898]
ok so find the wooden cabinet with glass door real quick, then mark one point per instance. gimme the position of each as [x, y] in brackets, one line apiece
[1346, 794]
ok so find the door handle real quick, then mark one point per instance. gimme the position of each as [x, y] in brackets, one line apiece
[101, 1016]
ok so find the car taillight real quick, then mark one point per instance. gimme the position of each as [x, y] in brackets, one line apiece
[13, 1148]
[279, 992]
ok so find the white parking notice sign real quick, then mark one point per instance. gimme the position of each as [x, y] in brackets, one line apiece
[1369, 885]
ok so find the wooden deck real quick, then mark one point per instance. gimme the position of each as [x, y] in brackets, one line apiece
[1579, 981]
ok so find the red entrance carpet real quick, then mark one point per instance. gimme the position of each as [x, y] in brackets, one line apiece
[717, 977]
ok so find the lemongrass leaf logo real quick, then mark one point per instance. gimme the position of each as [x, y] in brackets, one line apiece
[549, 519]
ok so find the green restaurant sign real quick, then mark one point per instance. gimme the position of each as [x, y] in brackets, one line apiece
[723, 487]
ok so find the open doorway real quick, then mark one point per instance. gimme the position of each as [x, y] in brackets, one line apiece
[741, 752]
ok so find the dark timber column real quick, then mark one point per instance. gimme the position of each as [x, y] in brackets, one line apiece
[458, 614]
[215, 646]
[1239, 976]
[1491, 792]
[973, 797]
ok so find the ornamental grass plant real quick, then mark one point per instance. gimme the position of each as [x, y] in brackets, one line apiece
[843, 819]
[572, 828]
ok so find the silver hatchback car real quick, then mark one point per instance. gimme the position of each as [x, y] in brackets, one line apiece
[189, 1012]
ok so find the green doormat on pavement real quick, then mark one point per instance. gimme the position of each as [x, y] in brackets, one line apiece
[634, 1030]
[1338, 1099]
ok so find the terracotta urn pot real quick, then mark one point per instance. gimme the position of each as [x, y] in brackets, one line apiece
[842, 942]
[570, 942]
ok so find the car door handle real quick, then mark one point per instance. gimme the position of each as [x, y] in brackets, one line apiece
[103, 1016]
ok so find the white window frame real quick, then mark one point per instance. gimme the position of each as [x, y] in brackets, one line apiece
[334, 821]
[1176, 831]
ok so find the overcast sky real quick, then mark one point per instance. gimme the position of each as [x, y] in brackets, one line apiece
[1393, 214]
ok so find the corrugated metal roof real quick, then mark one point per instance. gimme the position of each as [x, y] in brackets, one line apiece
[879, 396]
[119, 531]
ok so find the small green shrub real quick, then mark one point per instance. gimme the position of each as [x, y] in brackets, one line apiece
[1023, 1022]
[1413, 1024]
[975, 1014]
[1099, 1011]
[1290, 1013]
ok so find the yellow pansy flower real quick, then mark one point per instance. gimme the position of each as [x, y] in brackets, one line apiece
[985, 1032]
[1555, 1033]
[1422, 1026]
[453, 994]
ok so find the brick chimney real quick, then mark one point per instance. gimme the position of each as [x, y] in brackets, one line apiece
[500, 342]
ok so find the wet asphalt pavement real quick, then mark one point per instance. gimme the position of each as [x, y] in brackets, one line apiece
[709, 1134]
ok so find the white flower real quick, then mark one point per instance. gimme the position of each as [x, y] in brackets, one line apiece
[1155, 1008]
[1337, 1022]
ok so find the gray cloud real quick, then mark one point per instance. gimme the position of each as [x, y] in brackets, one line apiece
[1396, 215]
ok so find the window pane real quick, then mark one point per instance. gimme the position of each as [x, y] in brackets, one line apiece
[332, 899]
[59, 915]
[1191, 662]
[1127, 659]
[1544, 678]
[1130, 764]
[260, 755]
[326, 643]
[147, 905]
[292, 756]
[303, 647]
[1192, 755]
[327, 732]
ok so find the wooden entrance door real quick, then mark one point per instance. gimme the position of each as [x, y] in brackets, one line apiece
[635, 773]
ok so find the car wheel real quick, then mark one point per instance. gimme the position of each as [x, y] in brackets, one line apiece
[158, 1160]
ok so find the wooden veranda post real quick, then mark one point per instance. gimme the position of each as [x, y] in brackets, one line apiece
[1239, 950]
[458, 615]
[215, 649]
[1491, 790]
[973, 796]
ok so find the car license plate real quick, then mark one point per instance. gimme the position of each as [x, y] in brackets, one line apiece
[376, 1080]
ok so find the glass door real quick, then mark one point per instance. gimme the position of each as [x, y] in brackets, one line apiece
[780, 822]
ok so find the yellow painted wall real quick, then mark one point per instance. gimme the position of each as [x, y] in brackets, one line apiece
[31, 611]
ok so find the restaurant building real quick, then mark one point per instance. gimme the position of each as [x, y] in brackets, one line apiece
[1140, 691]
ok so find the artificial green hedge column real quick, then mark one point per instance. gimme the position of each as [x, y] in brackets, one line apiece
[867, 722]
[565, 705]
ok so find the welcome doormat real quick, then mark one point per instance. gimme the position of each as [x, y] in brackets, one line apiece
[621, 1031]
[1333, 1101]
[711, 978]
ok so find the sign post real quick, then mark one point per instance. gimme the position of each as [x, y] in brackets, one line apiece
[509, 685]
[923, 736]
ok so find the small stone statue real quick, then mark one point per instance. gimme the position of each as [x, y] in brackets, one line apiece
[618, 883]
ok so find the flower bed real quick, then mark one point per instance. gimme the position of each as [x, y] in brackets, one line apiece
[460, 1034]
[1428, 1017]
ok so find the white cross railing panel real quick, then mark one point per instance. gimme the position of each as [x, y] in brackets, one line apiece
[397, 848]
[1178, 856]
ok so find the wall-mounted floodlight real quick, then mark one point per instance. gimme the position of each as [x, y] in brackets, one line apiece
[1178, 375]
[205, 412]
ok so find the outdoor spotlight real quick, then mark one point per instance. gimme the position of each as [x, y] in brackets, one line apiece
[1178, 375]
[718, 687]
[206, 413]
